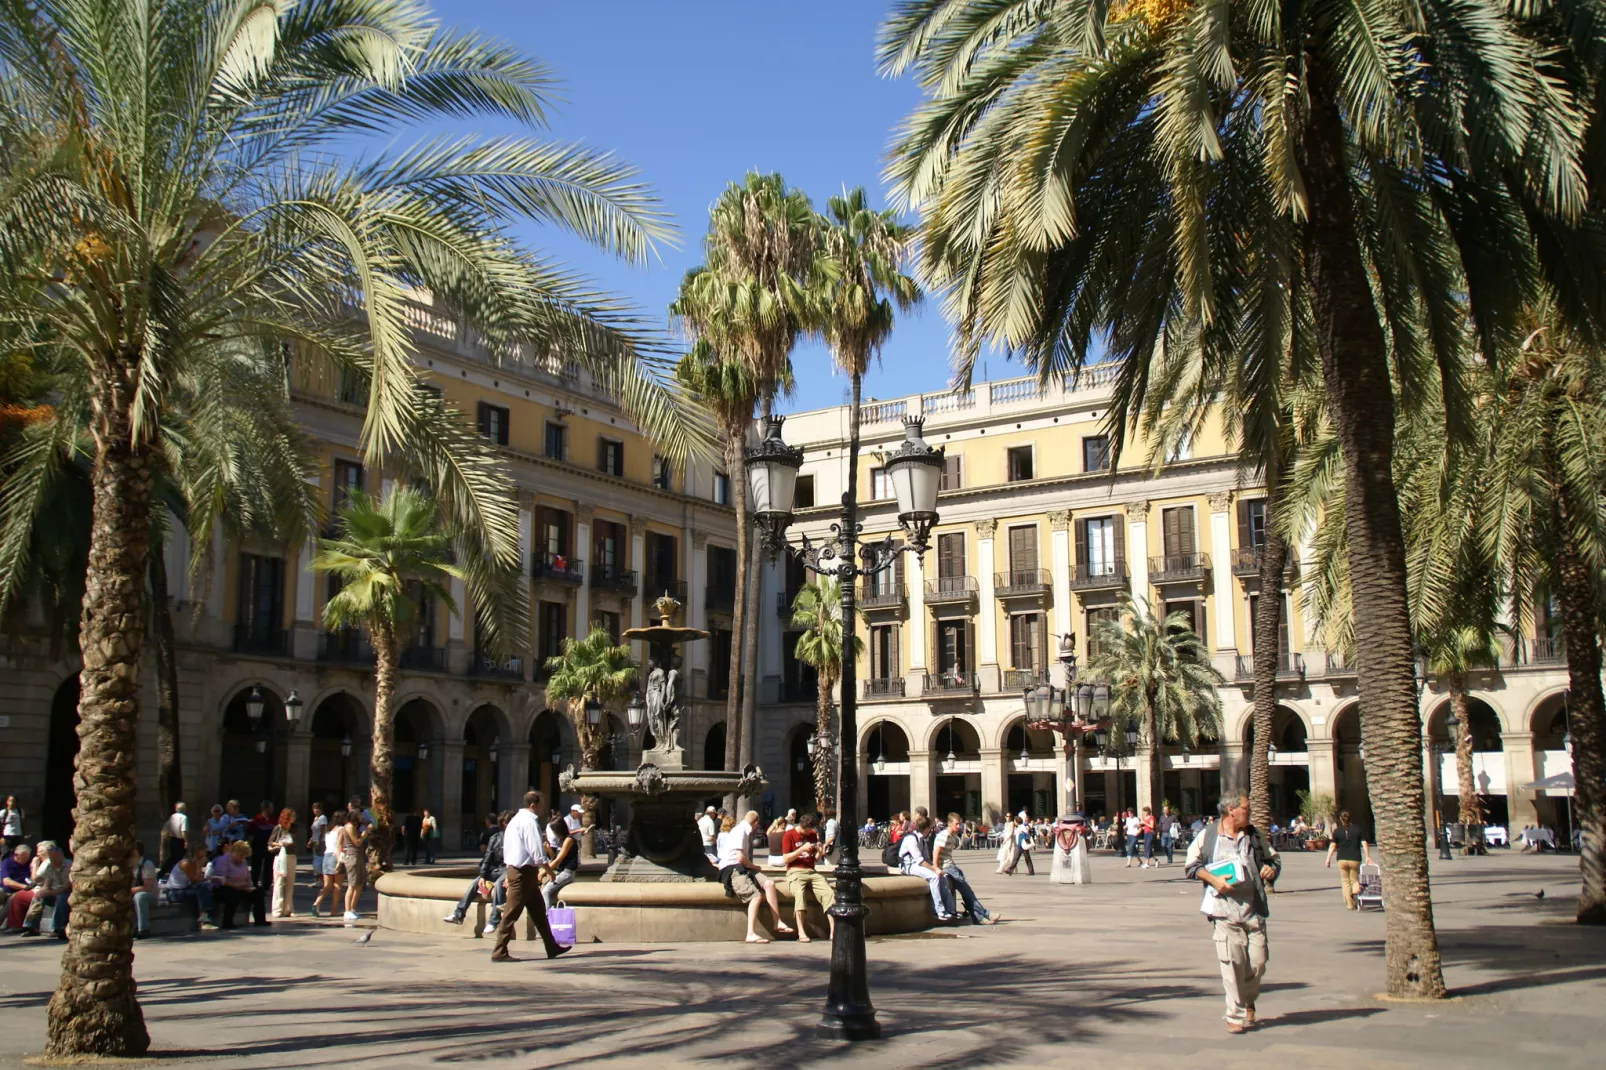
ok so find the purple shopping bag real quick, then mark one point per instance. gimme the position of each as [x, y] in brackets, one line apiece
[561, 919]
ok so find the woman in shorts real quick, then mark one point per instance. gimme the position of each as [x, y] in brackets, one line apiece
[332, 876]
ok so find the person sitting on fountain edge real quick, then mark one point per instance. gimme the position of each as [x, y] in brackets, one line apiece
[742, 879]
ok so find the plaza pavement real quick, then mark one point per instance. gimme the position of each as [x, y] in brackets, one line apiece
[1117, 973]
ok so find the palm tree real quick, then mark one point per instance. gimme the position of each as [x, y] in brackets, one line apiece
[1543, 523]
[817, 609]
[391, 557]
[1139, 173]
[1450, 656]
[1160, 680]
[756, 296]
[173, 199]
[589, 670]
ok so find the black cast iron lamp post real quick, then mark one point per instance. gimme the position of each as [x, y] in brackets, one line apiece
[1452, 726]
[915, 472]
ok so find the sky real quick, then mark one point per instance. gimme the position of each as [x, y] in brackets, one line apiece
[696, 93]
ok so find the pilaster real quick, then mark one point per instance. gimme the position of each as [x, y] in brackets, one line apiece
[1221, 571]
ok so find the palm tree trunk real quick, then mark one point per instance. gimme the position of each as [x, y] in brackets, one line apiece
[1355, 370]
[381, 759]
[1586, 710]
[823, 760]
[1471, 810]
[169, 773]
[1267, 645]
[94, 1010]
[1151, 732]
[744, 550]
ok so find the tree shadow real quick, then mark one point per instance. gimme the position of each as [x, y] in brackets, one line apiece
[1323, 1016]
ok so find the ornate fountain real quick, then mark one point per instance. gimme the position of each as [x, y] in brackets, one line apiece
[661, 842]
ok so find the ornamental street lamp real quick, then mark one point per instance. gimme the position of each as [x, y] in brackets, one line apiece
[423, 751]
[292, 709]
[915, 472]
[253, 706]
[345, 746]
[635, 716]
[1073, 711]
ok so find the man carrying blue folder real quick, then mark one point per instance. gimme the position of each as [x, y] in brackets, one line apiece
[1234, 861]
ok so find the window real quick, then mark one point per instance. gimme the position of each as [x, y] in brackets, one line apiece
[951, 556]
[954, 650]
[1177, 524]
[1096, 618]
[803, 494]
[260, 613]
[353, 386]
[1026, 642]
[611, 457]
[722, 488]
[554, 624]
[1023, 551]
[1020, 463]
[952, 469]
[556, 442]
[721, 578]
[608, 547]
[1282, 625]
[1194, 611]
[661, 570]
[719, 663]
[1099, 546]
[880, 485]
[608, 622]
[493, 423]
[348, 477]
[1251, 523]
[663, 476]
[884, 663]
[799, 680]
[1096, 453]
[552, 529]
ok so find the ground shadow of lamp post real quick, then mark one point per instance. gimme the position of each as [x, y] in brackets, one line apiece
[914, 470]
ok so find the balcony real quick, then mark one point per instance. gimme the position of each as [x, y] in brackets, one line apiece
[1102, 576]
[659, 584]
[424, 658]
[345, 647]
[560, 568]
[248, 640]
[486, 665]
[1179, 568]
[1021, 679]
[886, 595]
[1246, 562]
[951, 683]
[1289, 667]
[1546, 650]
[719, 599]
[613, 578]
[1340, 665]
[951, 589]
[1022, 583]
[890, 687]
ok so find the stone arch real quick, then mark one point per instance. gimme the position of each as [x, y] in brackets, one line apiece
[253, 758]
[714, 746]
[1291, 730]
[355, 700]
[336, 770]
[959, 734]
[1542, 710]
[61, 762]
[417, 755]
[799, 766]
[486, 735]
[885, 738]
[1486, 724]
[1040, 743]
[552, 748]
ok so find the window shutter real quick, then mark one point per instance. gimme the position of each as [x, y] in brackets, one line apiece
[1185, 529]
[1040, 643]
[1120, 540]
[969, 664]
[1023, 549]
[897, 571]
[894, 667]
[1081, 547]
[1245, 538]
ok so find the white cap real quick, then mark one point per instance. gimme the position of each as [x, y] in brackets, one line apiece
[575, 809]
[710, 810]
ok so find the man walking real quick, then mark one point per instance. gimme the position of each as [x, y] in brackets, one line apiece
[1234, 861]
[708, 829]
[1168, 834]
[524, 856]
[1349, 847]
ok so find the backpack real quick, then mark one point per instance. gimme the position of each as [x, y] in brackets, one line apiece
[889, 853]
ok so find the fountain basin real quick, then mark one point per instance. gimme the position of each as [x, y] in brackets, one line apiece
[644, 913]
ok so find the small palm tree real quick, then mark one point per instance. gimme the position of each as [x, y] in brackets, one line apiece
[1450, 656]
[1160, 680]
[817, 609]
[386, 552]
[589, 670]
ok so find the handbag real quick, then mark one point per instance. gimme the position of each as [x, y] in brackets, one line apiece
[561, 920]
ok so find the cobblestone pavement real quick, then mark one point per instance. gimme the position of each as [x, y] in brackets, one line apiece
[1121, 972]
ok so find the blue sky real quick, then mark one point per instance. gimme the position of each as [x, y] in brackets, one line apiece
[696, 93]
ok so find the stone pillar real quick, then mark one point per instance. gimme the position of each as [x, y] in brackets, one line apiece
[915, 634]
[1137, 548]
[1060, 573]
[1143, 762]
[1521, 768]
[1322, 757]
[297, 774]
[513, 774]
[994, 779]
[582, 552]
[458, 654]
[920, 783]
[638, 561]
[987, 609]
[305, 629]
[526, 546]
[451, 815]
[1221, 571]
[1234, 771]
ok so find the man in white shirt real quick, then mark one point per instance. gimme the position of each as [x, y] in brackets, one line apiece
[942, 856]
[1134, 833]
[573, 819]
[745, 880]
[177, 832]
[913, 862]
[709, 830]
[828, 833]
[524, 855]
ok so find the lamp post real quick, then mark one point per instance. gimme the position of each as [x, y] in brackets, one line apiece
[262, 728]
[1074, 711]
[1452, 726]
[915, 470]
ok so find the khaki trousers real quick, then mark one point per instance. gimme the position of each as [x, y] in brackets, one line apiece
[1242, 951]
[523, 883]
[1349, 881]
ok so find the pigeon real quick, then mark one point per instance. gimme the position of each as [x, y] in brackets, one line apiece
[1540, 894]
[365, 937]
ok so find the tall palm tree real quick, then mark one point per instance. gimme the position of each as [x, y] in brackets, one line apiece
[756, 297]
[1131, 173]
[173, 198]
[392, 557]
[1544, 523]
[817, 609]
[727, 390]
[588, 670]
[1160, 680]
